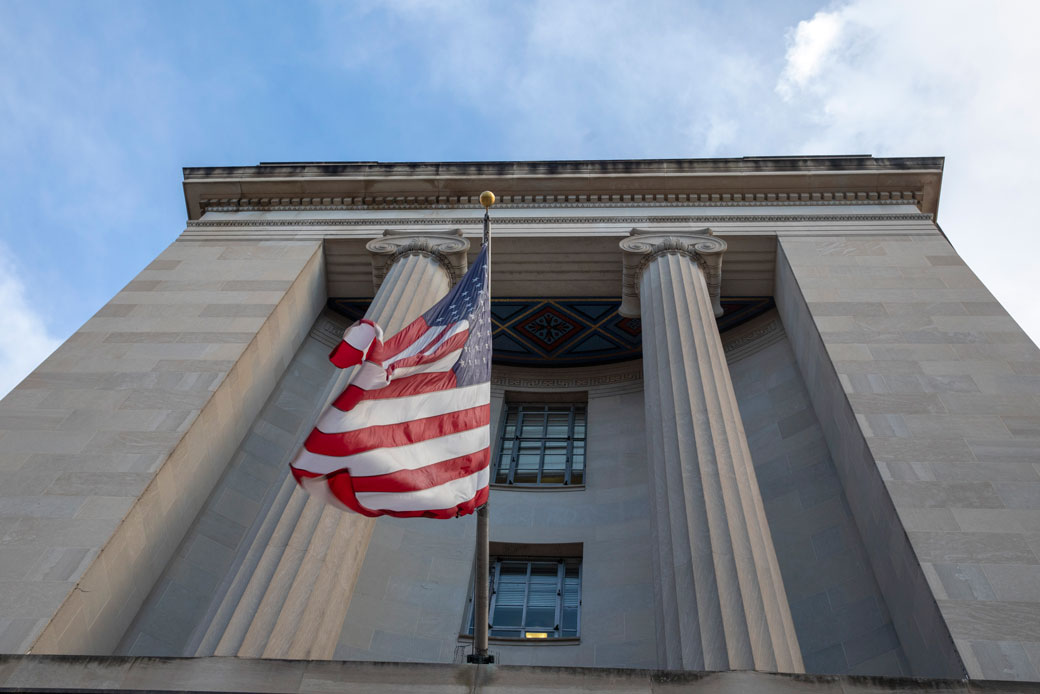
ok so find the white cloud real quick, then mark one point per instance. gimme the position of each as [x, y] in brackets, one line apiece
[672, 79]
[937, 78]
[811, 45]
[24, 340]
[576, 79]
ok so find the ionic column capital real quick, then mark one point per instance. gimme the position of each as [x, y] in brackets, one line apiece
[447, 248]
[643, 246]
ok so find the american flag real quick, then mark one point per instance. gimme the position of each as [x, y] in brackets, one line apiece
[409, 435]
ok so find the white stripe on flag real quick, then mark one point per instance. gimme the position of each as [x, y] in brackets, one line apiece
[443, 364]
[372, 376]
[442, 496]
[361, 335]
[381, 461]
[420, 345]
[370, 413]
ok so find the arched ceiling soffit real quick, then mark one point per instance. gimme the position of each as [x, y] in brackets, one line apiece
[570, 331]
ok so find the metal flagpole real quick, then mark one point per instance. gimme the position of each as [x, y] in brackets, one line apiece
[480, 653]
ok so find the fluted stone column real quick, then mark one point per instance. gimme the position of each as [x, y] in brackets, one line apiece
[720, 599]
[294, 604]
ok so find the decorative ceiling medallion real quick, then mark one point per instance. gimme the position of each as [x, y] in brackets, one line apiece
[570, 331]
[548, 328]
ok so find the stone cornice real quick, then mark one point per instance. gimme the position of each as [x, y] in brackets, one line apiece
[559, 201]
[833, 164]
[747, 180]
[601, 219]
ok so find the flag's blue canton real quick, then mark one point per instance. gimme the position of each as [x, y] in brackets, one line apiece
[469, 300]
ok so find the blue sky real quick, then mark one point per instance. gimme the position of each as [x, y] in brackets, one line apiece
[102, 103]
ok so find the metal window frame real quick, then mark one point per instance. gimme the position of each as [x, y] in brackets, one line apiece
[544, 409]
[494, 576]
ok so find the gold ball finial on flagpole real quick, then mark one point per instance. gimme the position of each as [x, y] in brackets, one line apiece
[487, 199]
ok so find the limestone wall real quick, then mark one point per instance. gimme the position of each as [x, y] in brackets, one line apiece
[213, 585]
[929, 395]
[110, 447]
[841, 619]
[411, 596]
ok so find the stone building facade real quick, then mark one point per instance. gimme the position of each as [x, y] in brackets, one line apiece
[748, 414]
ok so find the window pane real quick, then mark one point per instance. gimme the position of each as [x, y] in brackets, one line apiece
[510, 429]
[507, 616]
[569, 627]
[571, 584]
[578, 448]
[578, 463]
[560, 428]
[550, 476]
[571, 602]
[555, 463]
[527, 462]
[558, 425]
[502, 474]
[509, 595]
[505, 450]
[531, 596]
[541, 597]
[579, 422]
[534, 425]
[557, 448]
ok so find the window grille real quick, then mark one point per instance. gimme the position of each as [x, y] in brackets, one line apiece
[542, 445]
[534, 599]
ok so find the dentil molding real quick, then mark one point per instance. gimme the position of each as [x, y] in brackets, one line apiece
[599, 219]
[384, 202]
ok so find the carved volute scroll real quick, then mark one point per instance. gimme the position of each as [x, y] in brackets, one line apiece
[644, 245]
[447, 247]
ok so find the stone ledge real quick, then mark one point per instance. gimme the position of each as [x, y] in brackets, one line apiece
[125, 674]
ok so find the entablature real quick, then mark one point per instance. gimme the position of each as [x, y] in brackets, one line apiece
[664, 182]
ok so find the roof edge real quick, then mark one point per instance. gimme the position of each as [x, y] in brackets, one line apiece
[435, 180]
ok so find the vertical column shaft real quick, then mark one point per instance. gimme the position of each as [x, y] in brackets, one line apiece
[720, 598]
[299, 609]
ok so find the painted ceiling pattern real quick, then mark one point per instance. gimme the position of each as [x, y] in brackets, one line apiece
[569, 331]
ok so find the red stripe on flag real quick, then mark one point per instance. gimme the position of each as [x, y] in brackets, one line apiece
[344, 356]
[455, 342]
[299, 475]
[391, 435]
[425, 477]
[406, 385]
[400, 342]
[341, 484]
[465, 508]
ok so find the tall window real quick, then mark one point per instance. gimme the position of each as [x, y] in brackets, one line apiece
[534, 599]
[543, 444]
